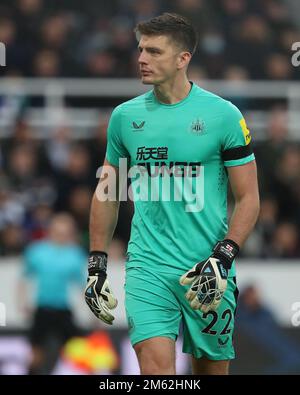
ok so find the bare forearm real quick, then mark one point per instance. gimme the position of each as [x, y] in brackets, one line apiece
[243, 219]
[103, 221]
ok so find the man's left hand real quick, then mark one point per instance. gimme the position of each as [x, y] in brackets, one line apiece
[208, 278]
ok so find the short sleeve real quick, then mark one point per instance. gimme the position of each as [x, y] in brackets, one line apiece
[236, 138]
[115, 148]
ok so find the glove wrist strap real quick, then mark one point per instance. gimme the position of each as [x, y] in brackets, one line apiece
[226, 250]
[97, 262]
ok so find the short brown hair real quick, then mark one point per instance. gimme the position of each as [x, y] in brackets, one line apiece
[177, 27]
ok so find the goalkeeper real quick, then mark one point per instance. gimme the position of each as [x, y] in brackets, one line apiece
[181, 262]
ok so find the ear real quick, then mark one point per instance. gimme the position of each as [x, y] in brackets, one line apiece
[183, 59]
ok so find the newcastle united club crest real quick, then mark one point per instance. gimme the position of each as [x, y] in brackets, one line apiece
[197, 126]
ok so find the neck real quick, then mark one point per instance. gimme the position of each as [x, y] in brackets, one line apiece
[171, 92]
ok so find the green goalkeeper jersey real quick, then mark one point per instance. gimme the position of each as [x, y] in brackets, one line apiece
[180, 197]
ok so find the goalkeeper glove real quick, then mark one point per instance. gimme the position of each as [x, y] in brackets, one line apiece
[98, 294]
[208, 278]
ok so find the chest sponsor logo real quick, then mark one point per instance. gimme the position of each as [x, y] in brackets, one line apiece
[161, 168]
[154, 178]
[145, 153]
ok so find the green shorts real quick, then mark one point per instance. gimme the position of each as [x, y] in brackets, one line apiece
[156, 305]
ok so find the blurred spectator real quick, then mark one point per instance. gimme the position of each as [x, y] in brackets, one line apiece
[233, 10]
[12, 240]
[22, 133]
[11, 211]
[22, 165]
[269, 153]
[12, 105]
[79, 206]
[23, 136]
[28, 17]
[278, 67]
[46, 63]
[259, 243]
[58, 148]
[259, 323]
[123, 43]
[212, 47]
[197, 11]
[78, 172]
[285, 242]
[97, 145]
[268, 217]
[37, 222]
[251, 45]
[285, 183]
[141, 10]
[29, 185]
[55, 264]
[287, 37]
[237, 74]
[102, 64]
[54, 32]
[29, 7]
[277, 13]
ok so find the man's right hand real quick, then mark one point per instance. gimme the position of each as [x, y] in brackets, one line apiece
[98, 294]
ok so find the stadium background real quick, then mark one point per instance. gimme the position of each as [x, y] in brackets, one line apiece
[68, 64]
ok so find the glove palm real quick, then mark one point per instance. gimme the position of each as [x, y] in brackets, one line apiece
[208, 285]
[208, 279]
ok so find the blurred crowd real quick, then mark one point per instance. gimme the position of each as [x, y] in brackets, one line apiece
[277, 231]
[41, 177]
[239, 39]
[276, 234]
